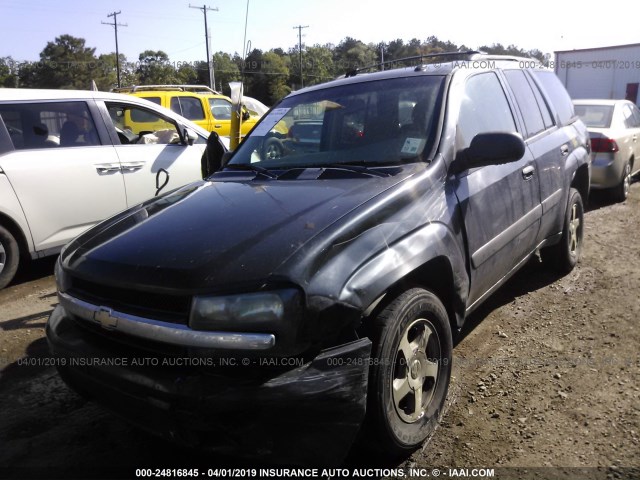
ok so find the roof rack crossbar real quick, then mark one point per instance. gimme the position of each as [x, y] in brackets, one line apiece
[465, 53]
[181, 88]
[507, 58]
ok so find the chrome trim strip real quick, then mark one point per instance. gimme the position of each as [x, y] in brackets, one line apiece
[163, 331]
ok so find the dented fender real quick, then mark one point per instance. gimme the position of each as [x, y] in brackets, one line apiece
[416, 250]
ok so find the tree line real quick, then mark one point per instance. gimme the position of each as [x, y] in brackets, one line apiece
[67, 63]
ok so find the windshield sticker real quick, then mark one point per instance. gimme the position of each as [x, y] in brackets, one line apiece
[269, 122]
[413, 146]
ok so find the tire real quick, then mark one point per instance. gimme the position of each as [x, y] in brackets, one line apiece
[620, 192]
[411, 364]
[564, 256]
[9, 257]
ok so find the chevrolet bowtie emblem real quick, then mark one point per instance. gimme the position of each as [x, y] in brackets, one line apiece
[105, 319]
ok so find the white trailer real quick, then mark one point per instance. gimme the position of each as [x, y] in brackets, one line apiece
[605, 72]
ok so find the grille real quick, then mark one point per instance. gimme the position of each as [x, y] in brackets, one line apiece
[156, 306]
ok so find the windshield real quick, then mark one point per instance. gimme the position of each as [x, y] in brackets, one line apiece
[370, 123]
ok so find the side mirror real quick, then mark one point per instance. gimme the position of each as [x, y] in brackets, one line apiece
[492, 148]
[189, 136]
[213, 155]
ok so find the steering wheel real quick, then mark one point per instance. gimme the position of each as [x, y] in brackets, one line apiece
[272, 149]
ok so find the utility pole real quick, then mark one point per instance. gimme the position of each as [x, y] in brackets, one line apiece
[300, 27]
[115, 24]
[204, 10]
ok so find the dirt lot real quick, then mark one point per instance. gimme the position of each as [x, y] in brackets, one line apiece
[545, 375]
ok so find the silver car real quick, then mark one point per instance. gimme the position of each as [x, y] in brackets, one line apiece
[614, 128]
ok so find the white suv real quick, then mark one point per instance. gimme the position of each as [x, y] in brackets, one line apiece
[69, 159]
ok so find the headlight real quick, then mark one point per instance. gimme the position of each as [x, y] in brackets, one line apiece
[62, 279]
[257, 311]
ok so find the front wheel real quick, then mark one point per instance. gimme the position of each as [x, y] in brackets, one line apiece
[410, 372]
[9, 257]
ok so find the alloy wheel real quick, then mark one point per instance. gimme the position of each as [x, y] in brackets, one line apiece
[416, 369]
[574, 225]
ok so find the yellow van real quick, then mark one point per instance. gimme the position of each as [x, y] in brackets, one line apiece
[203, 106]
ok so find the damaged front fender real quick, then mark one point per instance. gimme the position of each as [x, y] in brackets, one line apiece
[410, 254]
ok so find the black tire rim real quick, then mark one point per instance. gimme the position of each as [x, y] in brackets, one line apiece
[416, 370]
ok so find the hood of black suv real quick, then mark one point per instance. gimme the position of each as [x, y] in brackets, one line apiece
[215, 235]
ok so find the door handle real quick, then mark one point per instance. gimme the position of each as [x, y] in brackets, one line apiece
[105, 169]
[132, 167]
[217, 126]
[564, 150]
[528, 171]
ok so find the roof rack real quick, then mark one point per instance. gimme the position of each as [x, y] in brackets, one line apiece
[180, 88]
[466, 55]
[508, 58]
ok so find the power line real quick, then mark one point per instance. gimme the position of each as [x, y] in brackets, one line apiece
[204, 9]
[300, 27]
[115, 24]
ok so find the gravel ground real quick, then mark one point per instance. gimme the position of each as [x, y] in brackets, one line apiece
[545, 376]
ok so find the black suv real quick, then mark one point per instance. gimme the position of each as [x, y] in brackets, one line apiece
[307, 291]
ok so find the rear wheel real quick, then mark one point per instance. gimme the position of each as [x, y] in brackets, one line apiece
[621, 191]
[410, 372]
[9, 257]
[564, 256]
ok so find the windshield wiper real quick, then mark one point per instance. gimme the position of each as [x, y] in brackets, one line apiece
[357, 169]
[251, 167]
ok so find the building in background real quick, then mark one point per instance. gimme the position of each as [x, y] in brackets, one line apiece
[605, 72]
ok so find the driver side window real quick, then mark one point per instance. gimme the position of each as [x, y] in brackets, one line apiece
[484, 109]
[139, 126]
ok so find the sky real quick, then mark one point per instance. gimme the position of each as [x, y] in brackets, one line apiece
[170, 25]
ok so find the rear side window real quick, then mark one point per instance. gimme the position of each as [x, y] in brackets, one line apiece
[544, 108]
[527, 101]
[557, 94]
[50, 124]
[155, 100]
[6, 145]
[484, 109]
[136, 125]
[630, 120]
[188, 107]
[636, 115]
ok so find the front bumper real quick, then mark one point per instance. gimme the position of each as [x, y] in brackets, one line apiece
[309, 414]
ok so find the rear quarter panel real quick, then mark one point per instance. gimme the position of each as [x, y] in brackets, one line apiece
[11, 209]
